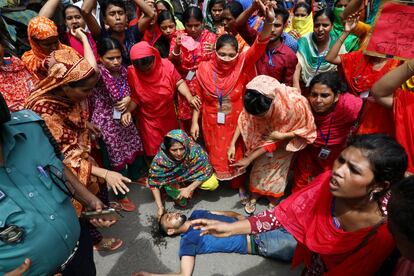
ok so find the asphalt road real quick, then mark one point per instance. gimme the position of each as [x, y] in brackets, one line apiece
[142, 252]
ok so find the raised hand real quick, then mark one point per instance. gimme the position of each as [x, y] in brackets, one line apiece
[351, 22]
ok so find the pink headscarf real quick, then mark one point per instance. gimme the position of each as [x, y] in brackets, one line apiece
[290, 112]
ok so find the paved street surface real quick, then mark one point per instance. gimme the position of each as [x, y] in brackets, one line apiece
[141, 252]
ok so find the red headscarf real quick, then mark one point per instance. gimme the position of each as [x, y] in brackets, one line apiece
[307, 216]
[218, 74]
[154, 83]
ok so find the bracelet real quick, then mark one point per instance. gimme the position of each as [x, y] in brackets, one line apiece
[410, 68]
[106, 173]
[340, 39]
[174, 54]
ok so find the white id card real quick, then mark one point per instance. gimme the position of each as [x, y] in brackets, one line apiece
[364, 95]
[221, 118]
[117, 114]
[190, 75]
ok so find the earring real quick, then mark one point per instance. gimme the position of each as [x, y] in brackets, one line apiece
[371, 196]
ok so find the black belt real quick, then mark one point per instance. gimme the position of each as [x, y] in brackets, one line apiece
[70, 258]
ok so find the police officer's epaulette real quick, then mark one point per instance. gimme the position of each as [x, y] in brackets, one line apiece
[24, 116]
[27, 116]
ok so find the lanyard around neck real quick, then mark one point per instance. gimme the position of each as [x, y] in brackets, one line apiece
[219, 93]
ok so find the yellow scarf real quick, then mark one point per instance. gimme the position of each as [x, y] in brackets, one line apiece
[303, 25]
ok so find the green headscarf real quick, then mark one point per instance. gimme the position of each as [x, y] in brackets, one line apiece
[352, 41]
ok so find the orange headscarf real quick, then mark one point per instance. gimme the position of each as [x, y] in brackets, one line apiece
[39, 28]
[290, 111]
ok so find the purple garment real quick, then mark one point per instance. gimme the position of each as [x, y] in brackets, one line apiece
[123, 143]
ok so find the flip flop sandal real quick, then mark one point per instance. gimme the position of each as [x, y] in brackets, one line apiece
[250, 207]
[142, 181]
[108, 244]
[127, 205]
[244, 198]
[115, 205]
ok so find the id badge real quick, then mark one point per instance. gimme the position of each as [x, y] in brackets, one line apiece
[364, 95]
[221, 118]
[117, 114]
[190, 75]
[324, 153]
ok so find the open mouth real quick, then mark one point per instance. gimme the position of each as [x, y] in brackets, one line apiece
[333, 184]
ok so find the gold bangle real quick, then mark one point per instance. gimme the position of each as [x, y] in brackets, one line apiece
[340, 39]
[106, 173]
[409, 67]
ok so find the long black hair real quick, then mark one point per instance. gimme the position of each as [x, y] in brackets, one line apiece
[106, 44]
[327, 12]
[192, 12]
[330, 79]
[387, 158]
[227, 39]
[400, 207]
[163, 43]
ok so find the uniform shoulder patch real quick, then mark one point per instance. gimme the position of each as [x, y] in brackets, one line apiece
[24, 116]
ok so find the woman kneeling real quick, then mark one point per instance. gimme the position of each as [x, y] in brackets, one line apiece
[179, 162]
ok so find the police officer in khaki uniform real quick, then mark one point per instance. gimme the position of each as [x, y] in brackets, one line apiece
[38, 224]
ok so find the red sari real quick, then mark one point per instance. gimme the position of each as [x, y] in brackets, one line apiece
[153, 93]
[404, 123]
[231, 79]
[360, 77]
[307, 216]
[189, 61]
[338, 124]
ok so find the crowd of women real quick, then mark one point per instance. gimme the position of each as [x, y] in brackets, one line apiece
[245, 94]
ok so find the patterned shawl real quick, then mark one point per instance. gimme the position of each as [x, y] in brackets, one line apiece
[194, 167]
[311, 60]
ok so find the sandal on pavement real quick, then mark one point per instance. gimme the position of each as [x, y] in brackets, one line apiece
[108, 244]
[244, 197]
[143, 180]
[127, 205]
[250, 207]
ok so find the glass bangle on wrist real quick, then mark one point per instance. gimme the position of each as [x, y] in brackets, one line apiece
[175, 54]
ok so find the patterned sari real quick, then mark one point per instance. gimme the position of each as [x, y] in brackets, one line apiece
[16, 83]
[66, 119]
[123, 143]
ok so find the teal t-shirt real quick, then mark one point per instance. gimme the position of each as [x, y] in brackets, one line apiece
[32, 201]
